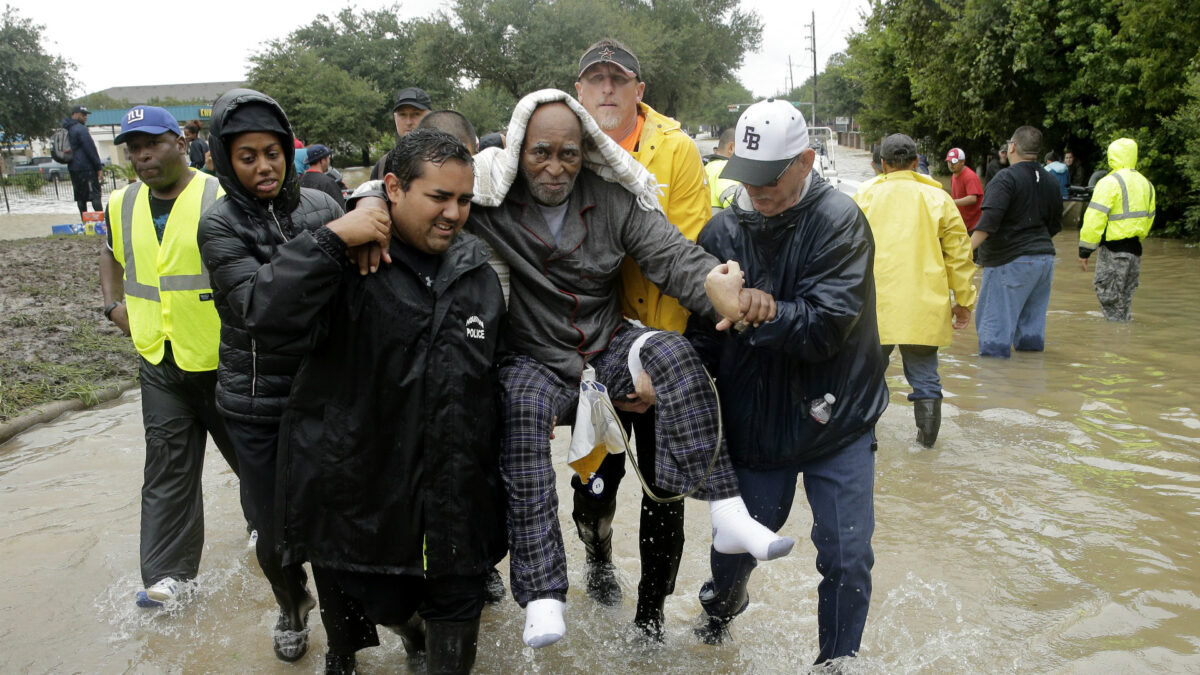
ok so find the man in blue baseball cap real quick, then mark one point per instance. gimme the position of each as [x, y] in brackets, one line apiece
[317, 175]
[156, 290]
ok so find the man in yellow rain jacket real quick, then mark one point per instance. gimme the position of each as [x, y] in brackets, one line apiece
[922, 254]
[610, 87]
[156, 290]
[1116, 221]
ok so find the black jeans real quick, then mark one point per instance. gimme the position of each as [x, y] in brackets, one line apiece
[179, 412]
[257, 447]
[86, 185]
[660, 530]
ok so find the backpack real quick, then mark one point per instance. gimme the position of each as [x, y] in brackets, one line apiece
[60, 146]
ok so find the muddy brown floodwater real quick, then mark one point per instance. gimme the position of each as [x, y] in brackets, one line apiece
[1053, 529]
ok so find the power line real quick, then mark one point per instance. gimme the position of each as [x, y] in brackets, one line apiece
[812, 38]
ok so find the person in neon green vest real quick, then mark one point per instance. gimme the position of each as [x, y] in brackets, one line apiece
[156, 290]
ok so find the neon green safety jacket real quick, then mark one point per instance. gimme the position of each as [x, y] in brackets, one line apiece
[1122, 205]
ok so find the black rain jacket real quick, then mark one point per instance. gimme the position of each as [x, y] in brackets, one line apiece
[388, 457]
[816, 259]
[249, 248]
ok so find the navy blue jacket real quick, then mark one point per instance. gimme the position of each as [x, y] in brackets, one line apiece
[816, 260]
[85, 157]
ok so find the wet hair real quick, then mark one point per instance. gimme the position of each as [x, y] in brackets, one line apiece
[726, 137]
[406, 160]
[1052, 156]
[453, 123]
[1028, 141]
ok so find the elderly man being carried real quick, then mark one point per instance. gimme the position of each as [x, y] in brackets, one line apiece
[563, 205]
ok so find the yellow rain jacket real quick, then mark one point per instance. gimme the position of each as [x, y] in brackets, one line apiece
[671, 155]
[922, 252]
[1122, 205]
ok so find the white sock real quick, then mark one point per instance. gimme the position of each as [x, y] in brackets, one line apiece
[734, 531]
[544, 622]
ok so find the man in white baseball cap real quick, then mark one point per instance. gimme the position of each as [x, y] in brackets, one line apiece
[801, 389]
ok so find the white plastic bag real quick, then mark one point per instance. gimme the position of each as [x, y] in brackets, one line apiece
[597, 430]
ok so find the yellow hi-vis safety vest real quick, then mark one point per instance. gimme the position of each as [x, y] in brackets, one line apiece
[167, 291]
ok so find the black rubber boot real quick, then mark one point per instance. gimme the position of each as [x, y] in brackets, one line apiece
[593, 518]
[412, 634]
[928, 412]
[720, 609]
[340, 664]
[451, 646]
[290, 638]
[660, 543]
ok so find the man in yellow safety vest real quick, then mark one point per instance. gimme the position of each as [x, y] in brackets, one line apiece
[157, 291]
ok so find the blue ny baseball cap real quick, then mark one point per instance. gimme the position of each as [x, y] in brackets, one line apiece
[147, 119]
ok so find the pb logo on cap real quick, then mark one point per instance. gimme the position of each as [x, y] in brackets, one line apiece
[751, 139]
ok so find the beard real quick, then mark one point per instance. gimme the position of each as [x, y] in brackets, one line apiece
[543, 196]
[608, 120]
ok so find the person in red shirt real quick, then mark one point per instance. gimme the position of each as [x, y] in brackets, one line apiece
[965, 188]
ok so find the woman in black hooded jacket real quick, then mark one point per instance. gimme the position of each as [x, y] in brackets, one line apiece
[264, 218]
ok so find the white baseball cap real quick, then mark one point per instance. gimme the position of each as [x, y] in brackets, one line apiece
[769, 135]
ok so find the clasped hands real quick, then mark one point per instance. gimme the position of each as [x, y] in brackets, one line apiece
[366, 231]
[739, 307]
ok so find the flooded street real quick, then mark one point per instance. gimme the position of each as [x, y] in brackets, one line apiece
[1055, 527]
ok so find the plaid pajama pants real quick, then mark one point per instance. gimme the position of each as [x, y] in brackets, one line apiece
[686, 429]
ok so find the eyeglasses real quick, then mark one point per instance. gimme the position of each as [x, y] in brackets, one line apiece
[776, 181]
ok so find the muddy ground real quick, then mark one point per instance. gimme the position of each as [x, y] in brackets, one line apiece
[54, 341]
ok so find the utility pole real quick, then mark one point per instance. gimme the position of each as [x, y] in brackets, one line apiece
[812, 38]
[791, 75]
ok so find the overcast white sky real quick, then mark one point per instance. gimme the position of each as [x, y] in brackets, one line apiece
[119, 44]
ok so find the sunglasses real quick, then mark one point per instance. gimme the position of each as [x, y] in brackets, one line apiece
[776, 181]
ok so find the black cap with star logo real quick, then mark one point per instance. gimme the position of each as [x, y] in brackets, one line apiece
[611, 51]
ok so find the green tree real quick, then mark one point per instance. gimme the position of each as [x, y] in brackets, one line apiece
[102, 101]
[376, 46]
[968, 72]
[709, 105]
[488, 107]
[706, 41]
[1185, 124]
[34, 85]
[840, 93]
[523, 45]
[324, 103]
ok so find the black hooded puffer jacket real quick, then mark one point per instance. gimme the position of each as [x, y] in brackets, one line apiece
[240, 237]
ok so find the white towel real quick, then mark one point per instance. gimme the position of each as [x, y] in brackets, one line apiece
[496, 168]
